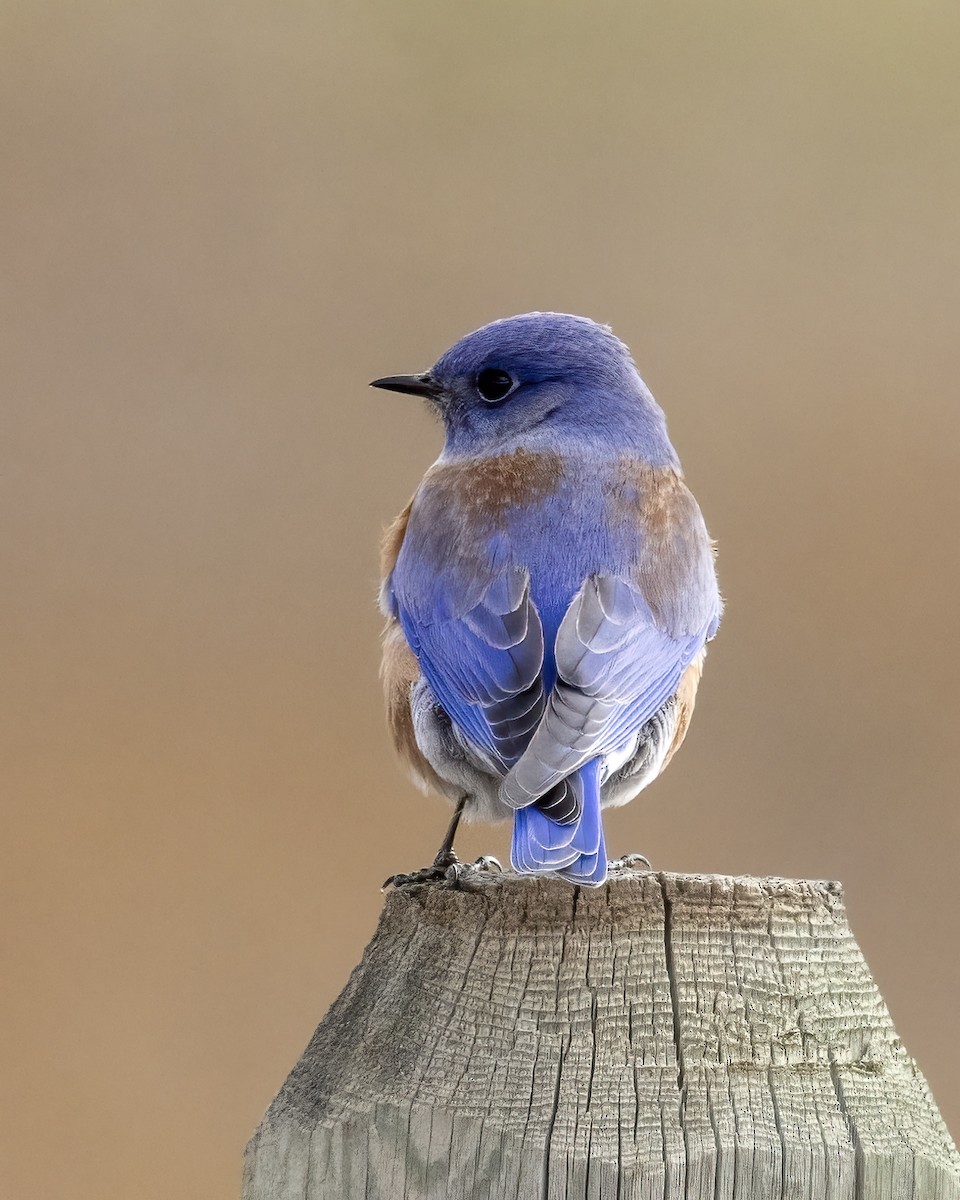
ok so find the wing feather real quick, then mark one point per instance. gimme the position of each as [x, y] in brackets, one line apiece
[615, 668]
[485, 667]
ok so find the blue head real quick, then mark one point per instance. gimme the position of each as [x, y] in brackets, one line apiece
[541, 380]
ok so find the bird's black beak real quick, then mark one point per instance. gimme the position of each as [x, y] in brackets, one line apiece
[413, 385]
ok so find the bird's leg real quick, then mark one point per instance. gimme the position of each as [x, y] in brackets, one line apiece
[445, 855]
[444, 860]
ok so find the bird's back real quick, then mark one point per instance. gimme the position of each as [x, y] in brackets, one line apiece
[561, 517]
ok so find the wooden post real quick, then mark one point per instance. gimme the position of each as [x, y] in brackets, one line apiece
[664, 1036]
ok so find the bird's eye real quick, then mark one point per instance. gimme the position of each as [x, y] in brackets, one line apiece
[493, 385]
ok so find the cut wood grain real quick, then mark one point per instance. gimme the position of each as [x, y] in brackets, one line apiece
[665, 1036]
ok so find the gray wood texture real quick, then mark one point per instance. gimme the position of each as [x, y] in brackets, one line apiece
[665, 1036]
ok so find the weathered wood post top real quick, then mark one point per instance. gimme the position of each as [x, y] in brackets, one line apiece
[664, 1036]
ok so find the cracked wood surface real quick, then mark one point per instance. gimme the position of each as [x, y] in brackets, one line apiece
[665, 1036]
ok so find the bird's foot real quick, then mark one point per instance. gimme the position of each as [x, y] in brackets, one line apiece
[444, 862]
[458, 873]
[486, 862]
[446, 868]
[631, 862]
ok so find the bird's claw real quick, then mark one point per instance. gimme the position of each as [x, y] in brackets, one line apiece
[440, 868]
[486, 862]
[457, 872]
[447, 869]
[630, 862]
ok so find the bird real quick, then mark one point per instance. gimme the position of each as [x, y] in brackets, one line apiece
[549, 591]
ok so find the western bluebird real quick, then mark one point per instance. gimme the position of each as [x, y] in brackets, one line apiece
[549, 590]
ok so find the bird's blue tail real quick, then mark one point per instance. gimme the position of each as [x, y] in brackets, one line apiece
[575, 850]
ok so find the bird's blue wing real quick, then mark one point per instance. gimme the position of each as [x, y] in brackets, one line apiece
[483, 662]
[616, 666]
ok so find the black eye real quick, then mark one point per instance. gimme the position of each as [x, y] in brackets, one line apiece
[493, 385]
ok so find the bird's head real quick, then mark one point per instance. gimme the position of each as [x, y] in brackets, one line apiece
[540, 380]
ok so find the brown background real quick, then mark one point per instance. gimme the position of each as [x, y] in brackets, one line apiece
[219, 221]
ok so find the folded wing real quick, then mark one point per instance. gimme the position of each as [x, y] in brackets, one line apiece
[484, 666]
[616, 666]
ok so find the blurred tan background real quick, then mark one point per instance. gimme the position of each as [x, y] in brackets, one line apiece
[219, 221]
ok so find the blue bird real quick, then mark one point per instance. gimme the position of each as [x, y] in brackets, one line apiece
[549, 590]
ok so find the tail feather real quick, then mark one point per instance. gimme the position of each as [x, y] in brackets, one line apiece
[575, 851]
